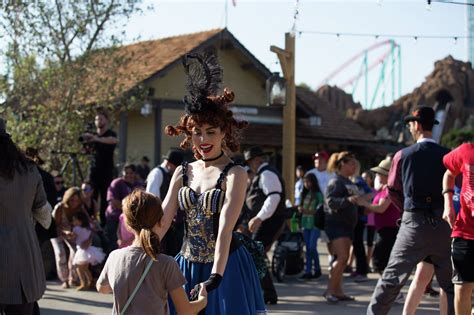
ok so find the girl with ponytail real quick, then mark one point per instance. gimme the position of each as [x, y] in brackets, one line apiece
[125, 266]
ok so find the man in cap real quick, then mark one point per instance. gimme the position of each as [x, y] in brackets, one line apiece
[320, 164]
[414, 184]
[157, 183]
[266, 201]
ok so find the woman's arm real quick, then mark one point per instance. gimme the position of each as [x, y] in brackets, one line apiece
[234, 199]
[103, 288]
[449, 215]
[183, 306]
[381, 207]
[170, 204]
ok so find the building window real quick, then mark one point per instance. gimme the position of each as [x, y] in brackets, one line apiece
[315, 121]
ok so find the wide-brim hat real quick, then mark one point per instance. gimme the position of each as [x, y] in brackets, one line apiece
[253, 152]
[423, 114]
[383, 168]
[174, 156]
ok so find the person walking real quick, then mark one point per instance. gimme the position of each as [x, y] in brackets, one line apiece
[340, 220]
[415, 185]
[266, 201]
[22, 278]
[461, 160]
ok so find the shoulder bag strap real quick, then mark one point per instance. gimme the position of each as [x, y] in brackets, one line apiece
[130, 299]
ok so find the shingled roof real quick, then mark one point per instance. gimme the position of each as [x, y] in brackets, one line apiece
[143, 61]
[334, 126]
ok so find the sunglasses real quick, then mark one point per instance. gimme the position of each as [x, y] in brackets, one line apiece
[59, 182]
[87, 190]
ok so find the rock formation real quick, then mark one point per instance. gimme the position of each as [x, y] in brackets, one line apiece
[449, 87]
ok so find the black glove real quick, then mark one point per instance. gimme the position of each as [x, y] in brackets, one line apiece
[213, 282]
[195, 293]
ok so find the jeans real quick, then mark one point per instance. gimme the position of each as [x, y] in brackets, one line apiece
[64, 266]
[312, 257]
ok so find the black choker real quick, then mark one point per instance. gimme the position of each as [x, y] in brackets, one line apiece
[213, 159]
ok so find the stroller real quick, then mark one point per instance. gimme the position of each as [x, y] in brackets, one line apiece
[288, 257]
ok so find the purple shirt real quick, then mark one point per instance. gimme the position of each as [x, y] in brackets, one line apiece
[390, 216]
[118, 190]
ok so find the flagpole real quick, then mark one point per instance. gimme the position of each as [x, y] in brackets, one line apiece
[226, 12]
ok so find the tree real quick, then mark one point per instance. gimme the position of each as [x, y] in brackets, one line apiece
[61, 57]
[456, 137]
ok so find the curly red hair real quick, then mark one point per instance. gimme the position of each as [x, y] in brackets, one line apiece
[221, 117]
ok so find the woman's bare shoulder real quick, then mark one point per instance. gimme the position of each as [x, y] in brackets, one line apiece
[238, 171]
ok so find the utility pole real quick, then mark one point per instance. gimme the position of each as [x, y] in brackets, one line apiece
[287, 62]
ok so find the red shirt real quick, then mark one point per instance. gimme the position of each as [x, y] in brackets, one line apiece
[461, 160]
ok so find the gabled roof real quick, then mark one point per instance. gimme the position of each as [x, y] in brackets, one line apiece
[146, 60]
[334, 126]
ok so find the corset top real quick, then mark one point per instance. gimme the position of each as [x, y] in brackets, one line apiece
[201, 218]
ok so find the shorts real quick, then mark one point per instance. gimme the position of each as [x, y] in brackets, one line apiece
[462, 255]
[337, 230]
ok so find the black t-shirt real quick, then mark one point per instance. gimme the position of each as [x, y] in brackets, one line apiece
[103, 159]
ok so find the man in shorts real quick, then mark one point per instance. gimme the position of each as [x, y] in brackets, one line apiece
[461, 160]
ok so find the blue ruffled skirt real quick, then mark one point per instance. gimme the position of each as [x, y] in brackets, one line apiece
[239, 292]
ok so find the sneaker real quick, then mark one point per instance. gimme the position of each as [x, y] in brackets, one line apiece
[360, 278]
[400, 299]
[348, 269]
[316, 275]
[306, 276]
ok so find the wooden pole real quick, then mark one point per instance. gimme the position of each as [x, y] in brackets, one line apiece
[287, 62]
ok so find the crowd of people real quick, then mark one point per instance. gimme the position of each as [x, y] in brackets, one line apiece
[216, 217]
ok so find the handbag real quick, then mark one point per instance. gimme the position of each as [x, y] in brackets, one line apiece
[319, 217]
[256, 250]
[130, 298]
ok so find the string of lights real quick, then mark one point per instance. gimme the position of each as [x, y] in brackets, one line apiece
[455, 38]
[450, 2]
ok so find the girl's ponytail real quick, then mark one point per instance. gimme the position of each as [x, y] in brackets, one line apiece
[150, 243]
[142, 211]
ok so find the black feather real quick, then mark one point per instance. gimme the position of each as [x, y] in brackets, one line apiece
[204, 79]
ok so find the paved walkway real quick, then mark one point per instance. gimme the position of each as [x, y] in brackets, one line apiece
[295, 297]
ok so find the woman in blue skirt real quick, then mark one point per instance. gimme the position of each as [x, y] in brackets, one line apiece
[211, 192]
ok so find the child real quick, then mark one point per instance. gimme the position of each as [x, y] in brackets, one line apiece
[125, 266]
[311, 198]
[124, 236]
[83, 257]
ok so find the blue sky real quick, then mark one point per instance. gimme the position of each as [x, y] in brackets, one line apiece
[259, 24]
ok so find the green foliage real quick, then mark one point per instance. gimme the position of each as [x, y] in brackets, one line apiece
[455, 137]
[56, 52]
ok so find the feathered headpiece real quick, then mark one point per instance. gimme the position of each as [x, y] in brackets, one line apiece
[204, 79]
